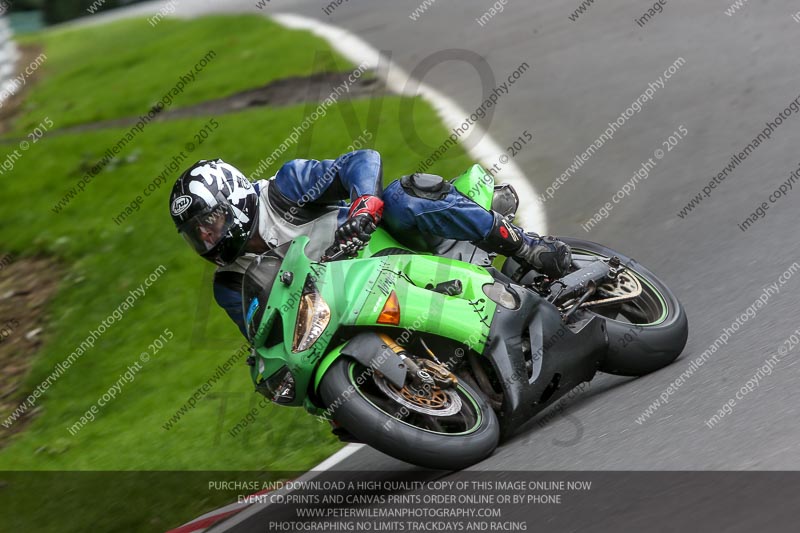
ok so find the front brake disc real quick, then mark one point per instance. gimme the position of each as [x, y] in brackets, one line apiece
[433, 402]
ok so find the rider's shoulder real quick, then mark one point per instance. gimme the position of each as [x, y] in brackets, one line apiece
[239, 265]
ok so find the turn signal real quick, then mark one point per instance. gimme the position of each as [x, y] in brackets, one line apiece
[390, 314]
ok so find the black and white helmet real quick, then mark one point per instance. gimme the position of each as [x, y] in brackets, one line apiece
[215, 208]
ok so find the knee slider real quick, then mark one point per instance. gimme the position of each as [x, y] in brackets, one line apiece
[427, 186]
[505, 200]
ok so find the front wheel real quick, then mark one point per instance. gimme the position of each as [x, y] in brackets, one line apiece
[646, 333]
[441, 428]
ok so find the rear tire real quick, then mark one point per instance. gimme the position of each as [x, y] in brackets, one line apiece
[386, 433]
[639, 349]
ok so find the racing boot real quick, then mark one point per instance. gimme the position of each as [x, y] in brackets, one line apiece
[546, 255]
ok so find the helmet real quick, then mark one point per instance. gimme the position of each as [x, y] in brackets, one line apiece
[215, 208]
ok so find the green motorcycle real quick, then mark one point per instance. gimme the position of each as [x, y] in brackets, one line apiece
[433, 358]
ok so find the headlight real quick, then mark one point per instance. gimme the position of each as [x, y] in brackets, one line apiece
[313, 316]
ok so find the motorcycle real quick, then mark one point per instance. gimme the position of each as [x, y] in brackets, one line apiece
[434, 358]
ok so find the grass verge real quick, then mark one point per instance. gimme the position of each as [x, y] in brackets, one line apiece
[124, 68]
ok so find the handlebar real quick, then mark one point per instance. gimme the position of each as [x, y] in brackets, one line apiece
[336, 252]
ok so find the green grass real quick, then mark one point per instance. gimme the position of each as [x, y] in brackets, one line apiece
[105, 261]
[56, 502]
[124, 68]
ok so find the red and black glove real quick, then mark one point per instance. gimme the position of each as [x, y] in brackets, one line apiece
[363, 218]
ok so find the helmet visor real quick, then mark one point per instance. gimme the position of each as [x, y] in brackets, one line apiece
[205, 231]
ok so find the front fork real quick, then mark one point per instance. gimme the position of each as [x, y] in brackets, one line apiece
[423, 373]
[379, 352]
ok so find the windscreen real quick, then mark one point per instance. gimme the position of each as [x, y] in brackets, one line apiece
[257, 285]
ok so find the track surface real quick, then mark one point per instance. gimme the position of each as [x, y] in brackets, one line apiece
[740, 72]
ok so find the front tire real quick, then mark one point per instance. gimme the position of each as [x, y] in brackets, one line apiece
[639, 347]
[352, 394]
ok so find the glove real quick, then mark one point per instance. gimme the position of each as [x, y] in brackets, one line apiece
[363, 218]
[367, 205]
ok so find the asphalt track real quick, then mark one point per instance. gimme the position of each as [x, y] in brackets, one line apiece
[740, 71]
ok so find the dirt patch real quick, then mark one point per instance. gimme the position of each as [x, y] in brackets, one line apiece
[283, 92]
[26, 287]
[12, 105]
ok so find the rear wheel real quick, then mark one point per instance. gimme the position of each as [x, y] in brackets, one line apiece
[645, 333]
[443, 428]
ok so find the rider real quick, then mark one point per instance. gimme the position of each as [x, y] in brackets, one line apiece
[226, 218]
